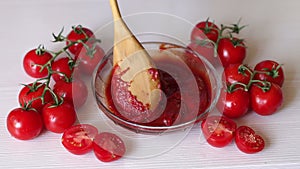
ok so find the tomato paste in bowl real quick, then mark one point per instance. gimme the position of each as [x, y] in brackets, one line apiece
[188, 82]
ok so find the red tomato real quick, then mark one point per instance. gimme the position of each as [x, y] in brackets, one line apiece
[89, 59]
[234, 104]
[237, 73]
[247, 141]
[266, 102]
[206, 50]
[270, 71]
[74, 92]
[78, 33]
[58, 118]
[205, 29]
[33, 61]
[231, 51]
[108, 147]
[32, 93]
[78, 139]
[62, 69]
[24, 124]
[218, 130]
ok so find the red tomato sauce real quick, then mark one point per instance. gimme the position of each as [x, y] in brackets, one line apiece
[184, 83]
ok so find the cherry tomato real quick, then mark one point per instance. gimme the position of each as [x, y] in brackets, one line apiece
[75, 92]
[89, 58]
[58, 118]
[24, 124]
[62, 69]
[108, 147]
[237, 73]
[33, 61]
[205, 29]
[218, 130]
[231, 51]
[266, 102]
[234, 104]
[270, 71]
[78, 139]
[247, 141]
[78, 33]
[32, 93]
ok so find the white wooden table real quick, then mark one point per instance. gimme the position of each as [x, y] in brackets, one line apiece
[273, 33]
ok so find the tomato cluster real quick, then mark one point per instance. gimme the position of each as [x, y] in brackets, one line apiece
[245, 88]
[51, 100]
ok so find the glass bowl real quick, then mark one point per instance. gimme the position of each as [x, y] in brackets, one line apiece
[197, 80]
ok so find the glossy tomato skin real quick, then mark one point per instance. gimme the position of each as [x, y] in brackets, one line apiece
[108, 147]
[237, 73]
[24, 124]
[218, 130]
[88, 63]
[62, 65]
[231, 53]
[247, 141]
[33, 59]
[58, 118]
[78, 139]
[205, 29]
[234, 104]
[266, 102]
[74, 92]
[79, 33]
[30, 92]
[273, 72]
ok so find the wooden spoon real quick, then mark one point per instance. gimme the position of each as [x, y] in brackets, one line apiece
[133, 61]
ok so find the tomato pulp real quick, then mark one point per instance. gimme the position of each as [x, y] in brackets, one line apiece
[184, 82]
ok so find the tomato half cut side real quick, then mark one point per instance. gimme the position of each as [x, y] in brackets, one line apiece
[247, 141]
[78, 139]
[218, 130]
[108, 147]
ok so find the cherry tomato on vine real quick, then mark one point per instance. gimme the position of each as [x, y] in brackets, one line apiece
[32, 93]
[33, 61]
[269, 70]
[266, 100]
[24, 124]
[58, 118]
[218, 130]
[78, 33]
[231, 51]
[89, 58]
[237, 73]
[247, 141]
[108, 147]
[78, 139]
[62, 69]
[75, 92]
[205, 29]
[234, 104]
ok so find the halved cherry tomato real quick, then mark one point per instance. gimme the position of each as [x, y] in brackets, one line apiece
[218, 130]
[78, 139]
[247, 141]
[271, 71]
[108, 147]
